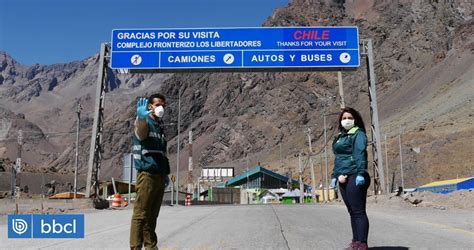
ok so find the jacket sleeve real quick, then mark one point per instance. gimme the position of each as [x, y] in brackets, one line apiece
[334, 152]
[141, 129]
[359, 152]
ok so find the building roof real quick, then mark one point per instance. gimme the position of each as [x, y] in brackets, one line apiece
[446, 182]
[219, 185]
[294, 193]
[67, 195]
[257, 170]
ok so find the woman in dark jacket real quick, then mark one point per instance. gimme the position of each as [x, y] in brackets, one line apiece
[350, 170]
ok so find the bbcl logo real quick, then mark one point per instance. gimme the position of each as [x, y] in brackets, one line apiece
[19, 226]
[46, 226]
[57, 228]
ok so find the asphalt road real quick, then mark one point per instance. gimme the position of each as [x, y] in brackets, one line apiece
[269, 227]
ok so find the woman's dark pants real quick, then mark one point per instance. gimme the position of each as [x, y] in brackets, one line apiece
[355, 198]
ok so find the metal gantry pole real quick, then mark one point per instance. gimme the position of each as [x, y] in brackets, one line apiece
[341, 89]
[130, 178]
[178, 145]
[190, 162]
[379, 178]
[95, 151]
[322, 177]
[326, 155]
[401, 158]
[300, 164]
[76, 160]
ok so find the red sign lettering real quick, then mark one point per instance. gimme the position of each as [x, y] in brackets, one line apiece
[311, 35]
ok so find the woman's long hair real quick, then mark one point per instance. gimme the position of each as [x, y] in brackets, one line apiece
[357, 118]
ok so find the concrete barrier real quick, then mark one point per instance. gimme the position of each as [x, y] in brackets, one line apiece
[34, 205]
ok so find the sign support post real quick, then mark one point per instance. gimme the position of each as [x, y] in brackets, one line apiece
[95, 152]
[379, 181]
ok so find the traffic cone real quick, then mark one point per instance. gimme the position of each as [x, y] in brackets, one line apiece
[187, 201]
[117, 201]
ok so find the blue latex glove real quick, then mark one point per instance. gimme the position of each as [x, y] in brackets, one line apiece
[333, 183]
[142, 108]
[360, 180]
[167, 181]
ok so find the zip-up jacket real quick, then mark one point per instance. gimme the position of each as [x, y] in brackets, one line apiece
[350, 149]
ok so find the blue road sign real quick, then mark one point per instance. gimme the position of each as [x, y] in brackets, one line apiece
[232, 48]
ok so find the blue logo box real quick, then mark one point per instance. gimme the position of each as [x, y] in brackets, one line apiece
[46, 226]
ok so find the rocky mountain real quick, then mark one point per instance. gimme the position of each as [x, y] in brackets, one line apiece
[48, 95]
[423, 62]
[424, 68]
[37, 148]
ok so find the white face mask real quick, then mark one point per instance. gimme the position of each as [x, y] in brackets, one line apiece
[159, 111]
[347, 123]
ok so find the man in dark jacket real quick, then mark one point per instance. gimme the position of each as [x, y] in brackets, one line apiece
[149, 154]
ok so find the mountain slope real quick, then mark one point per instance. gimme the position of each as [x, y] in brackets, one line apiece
[423, 64]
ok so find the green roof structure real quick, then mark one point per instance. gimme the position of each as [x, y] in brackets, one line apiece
[260, 177]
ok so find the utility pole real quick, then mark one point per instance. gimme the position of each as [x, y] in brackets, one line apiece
[341, 89]
[17, 168]
[18, 163]
[78, 111]
[401, 157]
[13, 181]
[313, 180]
[172, 190]
[248, 184]
[171, 176]
[247, 160]
[177, 152]
[386, 162]
[301, 179]
[281, 162]
[289, 183]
